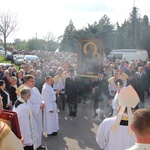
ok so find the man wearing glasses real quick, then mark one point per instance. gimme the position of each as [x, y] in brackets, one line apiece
[36, 103]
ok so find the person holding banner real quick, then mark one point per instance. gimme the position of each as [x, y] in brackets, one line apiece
[101, 94]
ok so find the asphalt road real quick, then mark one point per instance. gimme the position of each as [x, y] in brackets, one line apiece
[78, 133]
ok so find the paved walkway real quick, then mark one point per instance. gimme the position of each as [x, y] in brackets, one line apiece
[78, 133]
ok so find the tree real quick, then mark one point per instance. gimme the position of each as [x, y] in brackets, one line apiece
[145, 34]
[118, 42]
[128, 34]
[8, 24]
[106, 31]
[19, 44]
[35, 44]
[50, 43]
[135, 27]
[69, 42]
[103, 29]
[123, 36]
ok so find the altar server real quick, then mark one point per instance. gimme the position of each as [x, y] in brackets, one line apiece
[51, 125]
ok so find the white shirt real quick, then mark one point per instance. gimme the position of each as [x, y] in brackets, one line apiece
[115, 102]
[59, 85]
[139, 146]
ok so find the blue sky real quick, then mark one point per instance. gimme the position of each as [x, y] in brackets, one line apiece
[38, 17]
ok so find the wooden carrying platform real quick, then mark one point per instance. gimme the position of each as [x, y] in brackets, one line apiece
[11, 119]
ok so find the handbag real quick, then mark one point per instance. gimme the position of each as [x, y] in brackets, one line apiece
[11, 119]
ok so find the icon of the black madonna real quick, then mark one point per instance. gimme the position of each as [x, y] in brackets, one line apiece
[90, 57]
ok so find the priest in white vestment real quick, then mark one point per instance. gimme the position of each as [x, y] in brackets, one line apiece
[36, 103]
[25, 118]
[115, 133]
[51, 125]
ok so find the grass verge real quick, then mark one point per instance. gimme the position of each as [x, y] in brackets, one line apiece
[3, 60]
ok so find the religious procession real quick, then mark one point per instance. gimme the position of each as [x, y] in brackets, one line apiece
[40, 91]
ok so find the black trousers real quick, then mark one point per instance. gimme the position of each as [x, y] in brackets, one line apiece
[29, 147]
[141, 96]
[61, 101]
[72, 104]
[72, 108]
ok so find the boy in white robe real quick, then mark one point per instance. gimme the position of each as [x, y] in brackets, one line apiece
[51, 125]
[113, 133]
[141, 127]
[59, 84]
[120, 87]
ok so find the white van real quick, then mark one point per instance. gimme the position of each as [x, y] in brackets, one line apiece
[129, 54]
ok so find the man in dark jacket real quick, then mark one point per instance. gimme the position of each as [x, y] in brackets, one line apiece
[101, 93]
[130, 72]
[71, 91]
[147, 71]
[140, 85]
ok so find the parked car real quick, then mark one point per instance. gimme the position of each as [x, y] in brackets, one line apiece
[9, 56]
[5, 64]
[19, 59]
[15, 56]
[2, 51]
[31, 57]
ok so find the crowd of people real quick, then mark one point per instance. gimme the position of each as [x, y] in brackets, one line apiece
[39, 90]
[115, 77]
[127, 90]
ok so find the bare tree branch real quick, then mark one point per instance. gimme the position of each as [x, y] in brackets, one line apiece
[8, 24]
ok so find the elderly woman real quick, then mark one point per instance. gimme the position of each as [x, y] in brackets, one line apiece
[5, 96]
[7, 79]
[20, 79]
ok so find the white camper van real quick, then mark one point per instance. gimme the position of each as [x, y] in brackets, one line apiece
[129, 54]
